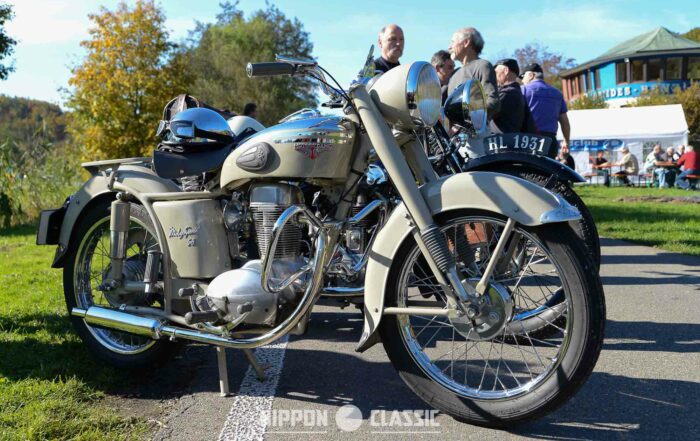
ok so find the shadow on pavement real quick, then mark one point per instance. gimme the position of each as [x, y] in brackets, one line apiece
[617, 407]
[651, 336]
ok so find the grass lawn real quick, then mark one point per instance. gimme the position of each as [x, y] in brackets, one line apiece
[671, 225]
[50, 387]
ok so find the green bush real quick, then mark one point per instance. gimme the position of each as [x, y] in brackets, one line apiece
[35, 179]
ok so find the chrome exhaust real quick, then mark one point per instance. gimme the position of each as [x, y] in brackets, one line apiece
[156, 329]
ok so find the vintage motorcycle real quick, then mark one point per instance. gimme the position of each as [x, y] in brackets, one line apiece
[450, 268]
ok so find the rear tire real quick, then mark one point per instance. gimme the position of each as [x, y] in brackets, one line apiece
[585, 227]
[86, 263]
[581, 338]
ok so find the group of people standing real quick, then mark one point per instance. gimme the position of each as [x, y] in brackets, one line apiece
[516, 100]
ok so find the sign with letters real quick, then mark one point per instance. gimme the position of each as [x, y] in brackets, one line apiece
[517, 142]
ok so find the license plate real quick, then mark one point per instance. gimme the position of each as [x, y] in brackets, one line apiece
[517, 142]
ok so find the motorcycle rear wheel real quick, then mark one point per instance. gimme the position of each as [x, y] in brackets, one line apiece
[512, 376]
[87, 261]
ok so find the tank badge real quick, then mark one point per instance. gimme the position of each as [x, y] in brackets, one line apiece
[255, 157]
[312, 148]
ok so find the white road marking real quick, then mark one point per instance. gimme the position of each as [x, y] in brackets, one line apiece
[247, 420]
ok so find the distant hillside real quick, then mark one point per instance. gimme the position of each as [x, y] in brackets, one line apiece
[26, 122]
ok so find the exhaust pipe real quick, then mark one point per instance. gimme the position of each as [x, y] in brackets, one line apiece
[155, 329]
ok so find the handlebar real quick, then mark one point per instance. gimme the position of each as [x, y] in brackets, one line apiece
[269, 69]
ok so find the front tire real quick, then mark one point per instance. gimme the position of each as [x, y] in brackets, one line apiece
[87, 262]
[513, 376]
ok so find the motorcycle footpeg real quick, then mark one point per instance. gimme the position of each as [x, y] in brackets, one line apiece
[192, 318]
[187, 292]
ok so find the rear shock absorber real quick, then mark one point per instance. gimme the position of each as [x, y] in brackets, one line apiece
[118, 231]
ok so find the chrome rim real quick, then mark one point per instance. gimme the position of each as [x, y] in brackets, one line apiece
[513, 362]
[92, 264]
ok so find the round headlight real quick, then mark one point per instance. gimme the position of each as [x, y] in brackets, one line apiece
[466, 107]
[423, 94]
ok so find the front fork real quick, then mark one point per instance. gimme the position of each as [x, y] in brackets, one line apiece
[463, 298]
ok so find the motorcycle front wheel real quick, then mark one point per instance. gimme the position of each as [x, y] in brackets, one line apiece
[88, 263]
[504, 374]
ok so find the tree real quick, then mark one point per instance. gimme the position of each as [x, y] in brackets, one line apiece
[218, 54]
[553, 63]
[585, 101]
[688, 98]
[693, 34]
[127, 76]
[6, 43]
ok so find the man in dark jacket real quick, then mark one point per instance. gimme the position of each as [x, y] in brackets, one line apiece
[391, 44]
[514, 115]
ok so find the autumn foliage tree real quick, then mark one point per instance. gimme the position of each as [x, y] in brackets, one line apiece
[127, 76]
[552, 62]
[689, 98]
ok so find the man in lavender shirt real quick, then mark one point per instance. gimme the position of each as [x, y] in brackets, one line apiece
[546, 105]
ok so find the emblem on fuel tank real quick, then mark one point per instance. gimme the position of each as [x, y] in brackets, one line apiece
[312, 149]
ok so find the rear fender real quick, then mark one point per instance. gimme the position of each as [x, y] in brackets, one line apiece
[525, 160]
[527, 203]
[95, 189]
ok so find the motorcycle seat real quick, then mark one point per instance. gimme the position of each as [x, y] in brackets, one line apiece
[174, 165]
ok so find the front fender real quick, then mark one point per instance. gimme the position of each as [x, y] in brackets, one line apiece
[139, 178]
[542, 163]
[527, 203]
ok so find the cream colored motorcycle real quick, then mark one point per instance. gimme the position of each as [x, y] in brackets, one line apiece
[231, 232]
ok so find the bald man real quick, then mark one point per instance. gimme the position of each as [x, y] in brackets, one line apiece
[391, 45]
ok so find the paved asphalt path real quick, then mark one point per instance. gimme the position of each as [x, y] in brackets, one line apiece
[646, 384]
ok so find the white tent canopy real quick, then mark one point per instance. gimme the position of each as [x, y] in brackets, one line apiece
[638, 128]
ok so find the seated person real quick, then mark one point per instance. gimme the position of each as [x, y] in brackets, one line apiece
[670, 167]
[602, 165]
[653, 165]
[690, 161]
[629, 165]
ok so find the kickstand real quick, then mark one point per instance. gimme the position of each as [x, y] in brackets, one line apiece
[223, 368]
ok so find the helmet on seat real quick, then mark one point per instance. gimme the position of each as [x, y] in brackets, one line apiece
[195, 129]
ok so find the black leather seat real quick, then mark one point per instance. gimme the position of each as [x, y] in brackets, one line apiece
[173, 165]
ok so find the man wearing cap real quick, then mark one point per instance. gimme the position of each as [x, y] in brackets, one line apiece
[445, 67]
[391, 44]
[547, 106]
[514, 115]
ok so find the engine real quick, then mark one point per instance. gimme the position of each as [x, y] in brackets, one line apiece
[237, 296]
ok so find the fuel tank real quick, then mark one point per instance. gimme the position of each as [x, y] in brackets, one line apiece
[312, 148]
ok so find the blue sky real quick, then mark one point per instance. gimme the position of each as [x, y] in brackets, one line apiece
[50, 31]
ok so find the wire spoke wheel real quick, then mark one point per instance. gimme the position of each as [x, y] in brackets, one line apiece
[92, 266]
[511, 363]
[532, 327]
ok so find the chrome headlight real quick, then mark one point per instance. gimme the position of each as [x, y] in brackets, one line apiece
[408, 96]
[423, 94]
[466, 107]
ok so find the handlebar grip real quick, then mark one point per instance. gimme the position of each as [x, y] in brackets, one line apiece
[269, 69]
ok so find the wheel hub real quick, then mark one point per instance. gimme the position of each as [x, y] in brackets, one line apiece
[495, 311]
